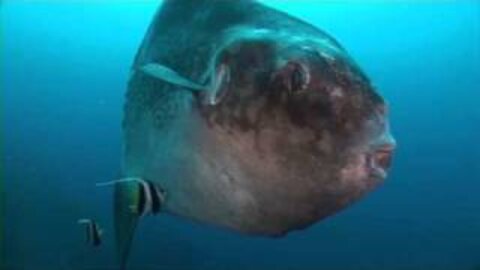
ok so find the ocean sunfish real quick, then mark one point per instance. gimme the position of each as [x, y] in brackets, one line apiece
[248, 119]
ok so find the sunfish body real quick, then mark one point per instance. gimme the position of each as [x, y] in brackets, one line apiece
[248, 119]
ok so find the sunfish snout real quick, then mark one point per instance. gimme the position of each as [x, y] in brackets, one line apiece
[383, 145]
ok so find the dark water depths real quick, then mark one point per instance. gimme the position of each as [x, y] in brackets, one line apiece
[64, 69]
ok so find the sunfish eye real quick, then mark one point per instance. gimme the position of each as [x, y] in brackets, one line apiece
[299, 78]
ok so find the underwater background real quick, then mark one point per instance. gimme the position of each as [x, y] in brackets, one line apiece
[64, 71]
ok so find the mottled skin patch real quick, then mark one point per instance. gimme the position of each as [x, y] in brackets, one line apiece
[291, 138]
[301, 148]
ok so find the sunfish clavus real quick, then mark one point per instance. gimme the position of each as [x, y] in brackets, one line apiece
[248, 119]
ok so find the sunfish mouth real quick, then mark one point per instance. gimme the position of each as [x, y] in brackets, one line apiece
[379, 160]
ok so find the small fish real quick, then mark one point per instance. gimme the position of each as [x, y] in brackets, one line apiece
[149, 199]
[93, 231]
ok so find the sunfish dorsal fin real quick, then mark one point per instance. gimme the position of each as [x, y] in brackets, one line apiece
[164, 73]
[125, 220]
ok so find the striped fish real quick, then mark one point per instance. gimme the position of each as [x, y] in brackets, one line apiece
[149, 199]
[93, 232]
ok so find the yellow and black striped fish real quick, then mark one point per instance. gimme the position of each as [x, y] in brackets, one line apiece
[149, 199]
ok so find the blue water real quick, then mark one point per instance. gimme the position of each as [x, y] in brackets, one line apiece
[64, 70]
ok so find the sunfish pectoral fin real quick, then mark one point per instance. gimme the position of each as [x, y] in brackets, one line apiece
[164, 73]
[125, 220]
[212, 92]
[219, 81]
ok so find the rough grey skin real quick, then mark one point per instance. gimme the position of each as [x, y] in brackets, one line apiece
[295, 132]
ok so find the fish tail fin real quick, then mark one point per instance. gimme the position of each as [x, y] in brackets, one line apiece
[125, 220]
